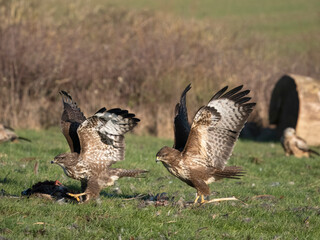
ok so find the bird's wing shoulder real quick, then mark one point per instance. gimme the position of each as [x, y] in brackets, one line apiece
[217, 126]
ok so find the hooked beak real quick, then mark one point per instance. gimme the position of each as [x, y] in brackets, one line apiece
[157, 159]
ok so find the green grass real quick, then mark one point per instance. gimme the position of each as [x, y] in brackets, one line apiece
[291, 23]
[292, 212]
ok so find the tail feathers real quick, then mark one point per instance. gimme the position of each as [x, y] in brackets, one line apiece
[130, 173]
[232, 172]
[314, 152]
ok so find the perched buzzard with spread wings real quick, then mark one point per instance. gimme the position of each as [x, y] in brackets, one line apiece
[95, 143]
[8, 134]
[201, 151]
[295, 145]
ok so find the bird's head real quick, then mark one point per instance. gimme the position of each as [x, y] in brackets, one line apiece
[65, 159]
[166, 154]
[288, 132]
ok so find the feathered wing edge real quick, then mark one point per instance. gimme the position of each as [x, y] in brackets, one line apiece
[116, 121]
[181, 123]
[103, 133]
[212, 122]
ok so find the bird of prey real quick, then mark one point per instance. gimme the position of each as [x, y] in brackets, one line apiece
[295, 145]
[8, 134]
[201, 151]
[96, 143]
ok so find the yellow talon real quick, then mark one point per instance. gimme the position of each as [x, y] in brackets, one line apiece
[202, 199]
[196, 200]
[76, 196]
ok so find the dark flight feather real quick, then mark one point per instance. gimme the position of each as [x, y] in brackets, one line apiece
[181, 123]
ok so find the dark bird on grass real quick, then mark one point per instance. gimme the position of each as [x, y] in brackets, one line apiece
[8, 134]
[49, 190]
[201, 151]
[95, 143]
[295, 145]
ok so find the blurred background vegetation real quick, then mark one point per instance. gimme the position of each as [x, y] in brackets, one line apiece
[140, 55]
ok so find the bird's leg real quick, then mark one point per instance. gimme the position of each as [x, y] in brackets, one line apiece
[202, 199]
[196, 200]
[76, 196]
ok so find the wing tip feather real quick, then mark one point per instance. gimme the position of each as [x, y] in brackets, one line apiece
[186, 90]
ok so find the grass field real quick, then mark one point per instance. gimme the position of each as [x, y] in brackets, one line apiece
[289, 26]
[290, 209]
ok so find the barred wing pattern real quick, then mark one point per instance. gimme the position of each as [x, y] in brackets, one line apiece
[101, 137]
[71, 119]
[181, 124]
[216, 127]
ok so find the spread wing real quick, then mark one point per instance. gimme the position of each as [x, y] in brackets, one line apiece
[217, 126]
[102, 136]
[71, 118]
[181, 124]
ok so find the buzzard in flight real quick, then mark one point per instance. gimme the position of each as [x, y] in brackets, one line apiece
[201, 151]
[95, 143]
[295, 145]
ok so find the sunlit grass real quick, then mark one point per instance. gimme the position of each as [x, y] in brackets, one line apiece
[289, 210]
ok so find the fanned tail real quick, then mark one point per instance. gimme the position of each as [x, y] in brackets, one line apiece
[233, 172]
[131, 173]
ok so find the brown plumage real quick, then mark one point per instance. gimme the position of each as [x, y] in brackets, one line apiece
[200, 153]
[295, 145]
[95, 143]
[8, 134]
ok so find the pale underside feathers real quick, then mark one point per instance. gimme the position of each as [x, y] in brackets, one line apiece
[217, 126]
[101, 136]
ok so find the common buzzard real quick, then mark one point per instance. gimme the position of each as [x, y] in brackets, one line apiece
[95, 143]
[8, 134]
[200, 153]
[295, 145]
